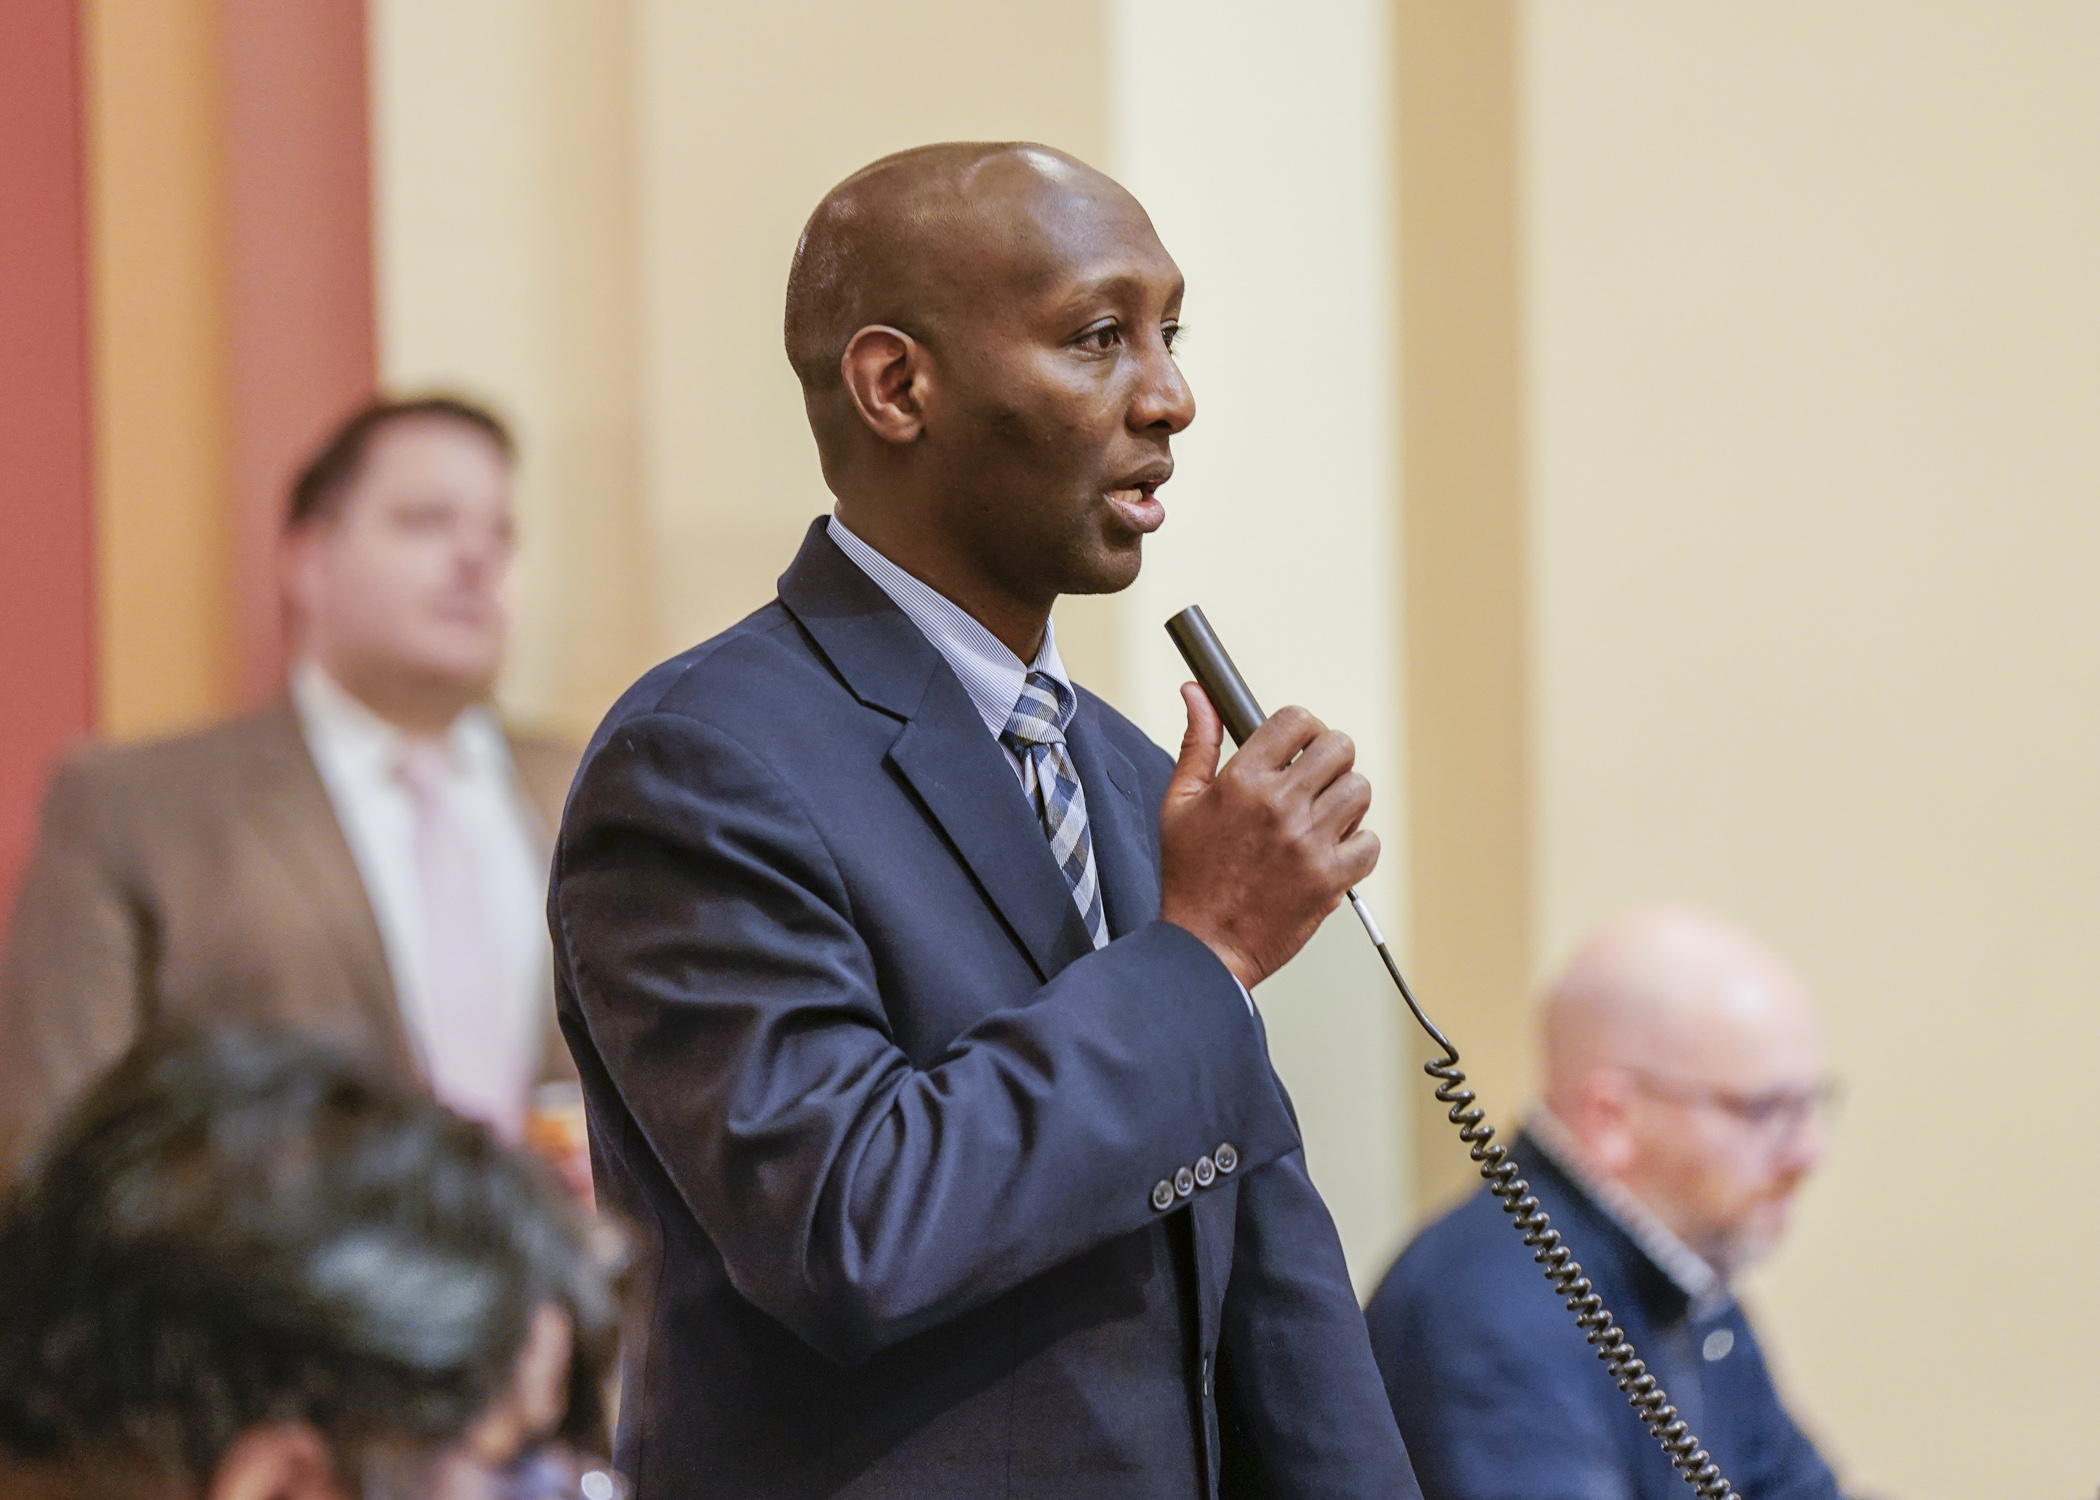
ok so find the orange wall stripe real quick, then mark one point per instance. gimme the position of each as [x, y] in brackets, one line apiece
[234, 315]
[162, 412]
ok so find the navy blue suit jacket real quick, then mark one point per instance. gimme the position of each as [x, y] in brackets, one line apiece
[1502, 1398]
[890, 1129]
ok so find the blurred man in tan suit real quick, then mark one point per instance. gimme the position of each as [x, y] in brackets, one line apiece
[365, 858]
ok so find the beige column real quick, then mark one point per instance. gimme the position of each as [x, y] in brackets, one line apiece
[1464, 576]
[505, 153]
[1260, 140]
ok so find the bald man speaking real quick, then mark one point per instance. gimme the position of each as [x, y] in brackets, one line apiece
[908, 981]
[1684, 1098]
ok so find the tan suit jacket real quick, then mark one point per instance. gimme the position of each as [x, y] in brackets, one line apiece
[202, 877]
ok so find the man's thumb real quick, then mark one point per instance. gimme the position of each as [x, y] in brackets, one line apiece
[1197, 764]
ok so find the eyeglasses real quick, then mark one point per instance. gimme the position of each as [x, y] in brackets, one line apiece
[1772, 1117]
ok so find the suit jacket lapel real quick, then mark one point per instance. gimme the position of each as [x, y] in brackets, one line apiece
[969, 787]
[943, 753]
[1121, 826]
[295, 818]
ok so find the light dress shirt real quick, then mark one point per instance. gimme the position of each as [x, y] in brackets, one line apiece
[992, 675]
[358, 755]
[1680, 1262]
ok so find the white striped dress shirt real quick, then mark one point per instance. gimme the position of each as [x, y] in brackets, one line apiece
[992, 675]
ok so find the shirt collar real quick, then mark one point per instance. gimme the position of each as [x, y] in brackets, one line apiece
[992, 675]
[329, 712]
[1685, 1267]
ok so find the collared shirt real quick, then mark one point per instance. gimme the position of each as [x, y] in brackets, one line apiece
[1680, 1262]
[358, 755]
[992, 675]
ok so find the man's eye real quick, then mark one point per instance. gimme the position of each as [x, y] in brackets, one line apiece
[1101, 340]
[1171, 334]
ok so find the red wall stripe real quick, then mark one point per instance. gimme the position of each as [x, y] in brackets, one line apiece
[304, 345]
[47, 643]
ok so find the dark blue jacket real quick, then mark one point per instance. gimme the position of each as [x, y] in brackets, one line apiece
[932, 1198]
[1502, 1398]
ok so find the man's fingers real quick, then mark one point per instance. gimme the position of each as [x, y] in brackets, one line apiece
[1323, 762]
[1280, 741]
[1342, 806]
[1197, 765]
[1357, 855]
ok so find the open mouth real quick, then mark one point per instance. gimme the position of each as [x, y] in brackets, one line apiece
[1138, 507]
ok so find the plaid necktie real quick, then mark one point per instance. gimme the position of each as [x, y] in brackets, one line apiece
[1036, 733]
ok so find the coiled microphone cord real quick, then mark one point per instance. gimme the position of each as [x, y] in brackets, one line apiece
[1241, 716]
[1650, 1402]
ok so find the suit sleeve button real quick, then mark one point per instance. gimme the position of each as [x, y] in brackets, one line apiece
[1226, 1157]
[1206, 1171]
[1163, 1195]
[1184, 1182]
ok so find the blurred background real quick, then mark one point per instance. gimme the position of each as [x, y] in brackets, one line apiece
[1664, 435]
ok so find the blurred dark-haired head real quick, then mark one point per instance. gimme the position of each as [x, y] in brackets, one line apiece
[242, 1249]
[317, 492]
[397, 552]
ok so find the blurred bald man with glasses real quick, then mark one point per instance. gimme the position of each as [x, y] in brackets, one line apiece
[1686, 1101]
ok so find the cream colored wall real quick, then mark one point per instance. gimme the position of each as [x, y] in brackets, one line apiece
[1814, 363]
[586, 212]
[504, 166]
[749, 114]
[1259, 139]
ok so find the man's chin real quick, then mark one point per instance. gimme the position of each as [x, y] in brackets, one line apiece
[465, 681]
[1749, 1244]
[1112, 569]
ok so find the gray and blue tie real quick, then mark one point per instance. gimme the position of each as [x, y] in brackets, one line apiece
[1035, 732]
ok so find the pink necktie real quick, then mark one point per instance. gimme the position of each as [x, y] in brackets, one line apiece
[474, 1049]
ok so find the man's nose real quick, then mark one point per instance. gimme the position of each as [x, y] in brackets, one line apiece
[1806, 1143]
[479, 552]
[1163, 398]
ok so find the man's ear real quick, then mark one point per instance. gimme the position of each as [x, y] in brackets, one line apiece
[283, 1461]
[299, 564]
[885, 371]
[1607, 1107]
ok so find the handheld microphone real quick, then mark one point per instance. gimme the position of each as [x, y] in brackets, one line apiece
[1234, 700]
[1242, 715]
